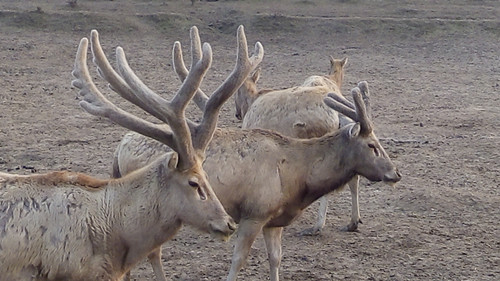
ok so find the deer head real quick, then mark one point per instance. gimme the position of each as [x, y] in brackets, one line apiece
[364, 149]
[337, 70]
[246, 94]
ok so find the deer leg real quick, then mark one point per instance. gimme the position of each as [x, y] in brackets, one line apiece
[272, 236]
[355, 216]
[155, 260]
[247, 232]
[320, 223]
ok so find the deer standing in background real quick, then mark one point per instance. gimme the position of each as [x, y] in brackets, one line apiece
[70, 226]
[263, 179]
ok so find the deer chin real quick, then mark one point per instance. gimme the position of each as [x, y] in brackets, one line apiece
[391, 184]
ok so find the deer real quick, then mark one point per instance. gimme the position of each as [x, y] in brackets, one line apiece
[66, 225]
[248, 92]
[263, 179]
[299, 112]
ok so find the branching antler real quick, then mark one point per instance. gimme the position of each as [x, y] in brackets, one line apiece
[357, 111]
[129, 86]
[211, 106]
[95, 103]
[183, 136]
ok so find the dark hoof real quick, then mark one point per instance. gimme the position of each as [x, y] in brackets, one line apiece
[352, 227]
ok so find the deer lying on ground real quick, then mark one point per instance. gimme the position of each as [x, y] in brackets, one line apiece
[263, 179]
[70, 226]
[299, 112]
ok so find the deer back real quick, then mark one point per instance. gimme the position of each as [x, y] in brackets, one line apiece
[296, 112]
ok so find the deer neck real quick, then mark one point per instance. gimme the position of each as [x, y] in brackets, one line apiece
[134, 206]
[336, 77]
[327, 169]
[312, 168]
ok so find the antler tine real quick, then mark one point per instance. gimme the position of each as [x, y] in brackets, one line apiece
[174, 110]
[244, 66]
[200, 98]
[340, 98]
[336, 103]
[195, 45]
[361, 112]
[96, 104]
[363, 86]
[116, 82]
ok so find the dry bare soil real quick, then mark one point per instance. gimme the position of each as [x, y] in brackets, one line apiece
[434, 72]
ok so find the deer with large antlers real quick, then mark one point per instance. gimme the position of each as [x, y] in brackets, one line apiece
[299, 112]
[263, 179]
[70, 226]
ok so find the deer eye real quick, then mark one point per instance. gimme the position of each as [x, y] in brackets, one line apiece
[194, 184]
[375, 150]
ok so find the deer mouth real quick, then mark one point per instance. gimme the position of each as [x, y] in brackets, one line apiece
[223, 233]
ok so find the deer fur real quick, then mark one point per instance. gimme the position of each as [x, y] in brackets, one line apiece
[265, 180]
[71, 226]
[299, 112]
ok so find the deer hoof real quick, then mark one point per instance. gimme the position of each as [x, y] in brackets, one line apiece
[353, 226]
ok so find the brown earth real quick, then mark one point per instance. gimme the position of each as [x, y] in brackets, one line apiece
[434, 72]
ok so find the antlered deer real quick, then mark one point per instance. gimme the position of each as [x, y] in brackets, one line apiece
[70, 226]
[263, 179]
[299, 112]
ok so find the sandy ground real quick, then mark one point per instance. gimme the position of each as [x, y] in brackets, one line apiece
[434, 73]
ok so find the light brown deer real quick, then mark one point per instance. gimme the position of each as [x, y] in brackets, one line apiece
[265, 180]
[299, 112]
[70, 226]
[249, 92]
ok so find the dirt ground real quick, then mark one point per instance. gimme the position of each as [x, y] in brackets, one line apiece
[434, 72]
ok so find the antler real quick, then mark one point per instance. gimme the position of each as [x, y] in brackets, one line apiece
[200, 98]
[359, 114]
[211, 106]
[129, 86]
[363, 86]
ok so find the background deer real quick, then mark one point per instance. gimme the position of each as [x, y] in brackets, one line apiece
[265, 180]
[70, 226]
[249, 92]
[299, 112]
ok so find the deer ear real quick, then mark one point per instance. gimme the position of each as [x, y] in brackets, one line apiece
[354, 130]
[256, 75]
[173, 161]
[343, 62]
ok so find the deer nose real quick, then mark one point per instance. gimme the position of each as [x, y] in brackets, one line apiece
[232, 225]
[393, 176]
[398, 174]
